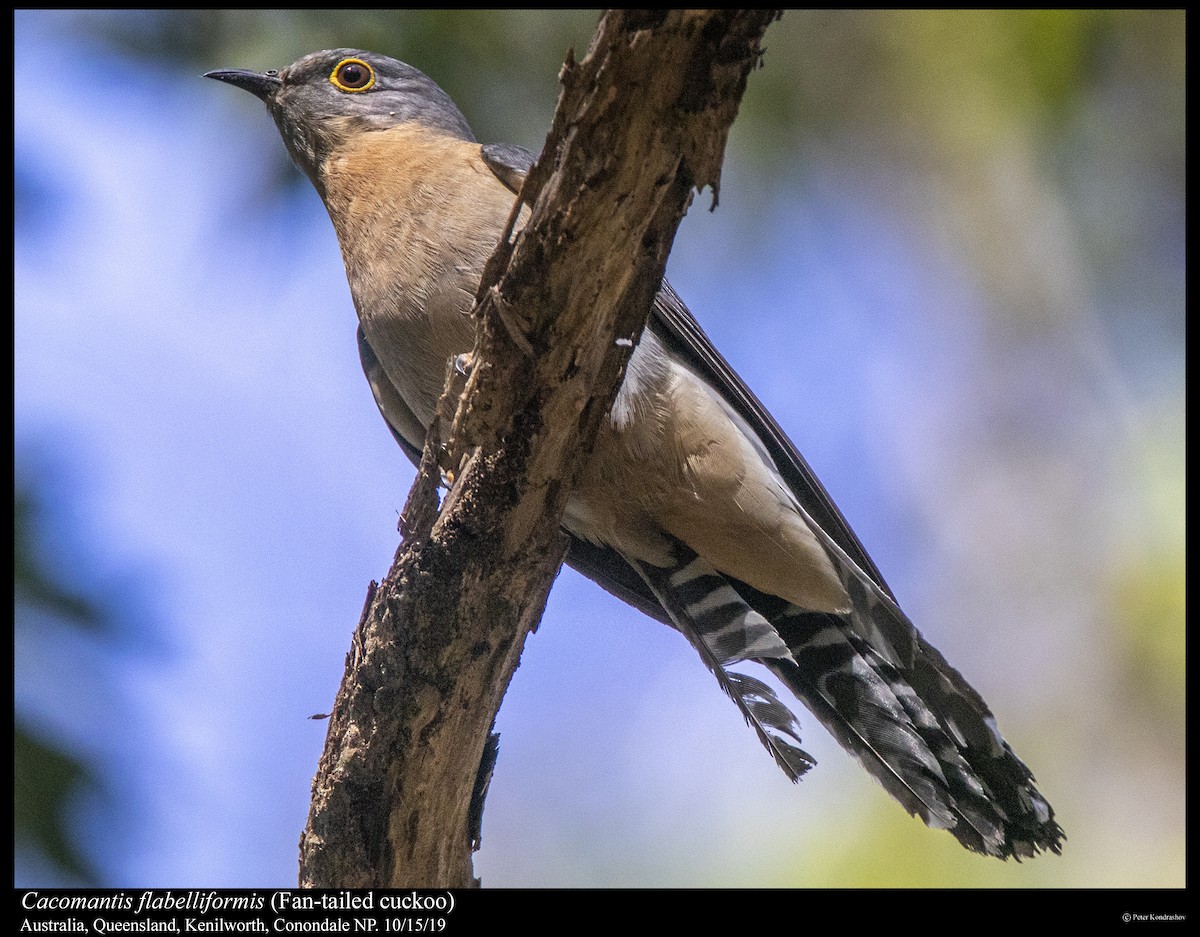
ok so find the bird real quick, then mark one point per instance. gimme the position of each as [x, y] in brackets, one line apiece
[695, 507]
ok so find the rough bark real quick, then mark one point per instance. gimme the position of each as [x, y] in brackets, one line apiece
[641, 122]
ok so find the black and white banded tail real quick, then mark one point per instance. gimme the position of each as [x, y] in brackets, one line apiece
[886, 695]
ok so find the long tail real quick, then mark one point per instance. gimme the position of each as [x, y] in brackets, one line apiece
[885, 694]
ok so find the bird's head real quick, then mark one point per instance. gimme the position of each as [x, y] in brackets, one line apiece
[322, 99]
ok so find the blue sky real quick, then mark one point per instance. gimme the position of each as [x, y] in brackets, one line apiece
[186, 381]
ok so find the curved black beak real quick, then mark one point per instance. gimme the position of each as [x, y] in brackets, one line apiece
[262, 85]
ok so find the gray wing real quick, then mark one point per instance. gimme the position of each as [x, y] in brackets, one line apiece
[675, 326]
[510, 163]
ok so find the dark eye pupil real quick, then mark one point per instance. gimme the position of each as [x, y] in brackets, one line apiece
[353, 76]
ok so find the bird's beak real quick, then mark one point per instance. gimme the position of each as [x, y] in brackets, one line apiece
[262, 85]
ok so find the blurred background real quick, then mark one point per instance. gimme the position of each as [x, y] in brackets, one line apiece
[949, 256]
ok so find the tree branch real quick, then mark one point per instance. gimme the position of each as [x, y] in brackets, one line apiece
[641, 122]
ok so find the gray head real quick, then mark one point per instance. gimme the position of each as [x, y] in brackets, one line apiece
[321, 99]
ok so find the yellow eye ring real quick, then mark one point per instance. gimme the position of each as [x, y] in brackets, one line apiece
[352, 75]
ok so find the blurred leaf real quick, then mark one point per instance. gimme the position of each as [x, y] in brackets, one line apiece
[35, 579]
[46, 782]
[48, 777]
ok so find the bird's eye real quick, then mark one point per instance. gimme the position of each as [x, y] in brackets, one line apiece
[352, 75]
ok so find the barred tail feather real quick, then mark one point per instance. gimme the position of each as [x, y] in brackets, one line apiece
[965, 731]
[913, 722]
[886, 695]
[724, 629]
